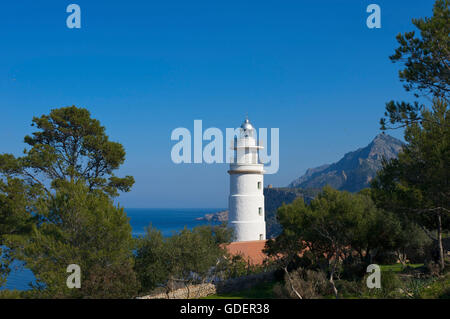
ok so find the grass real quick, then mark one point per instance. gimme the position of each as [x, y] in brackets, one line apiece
[398, 267]
[439, 289]
[261, 291]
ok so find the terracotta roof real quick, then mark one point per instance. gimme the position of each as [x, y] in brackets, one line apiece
[250, 250]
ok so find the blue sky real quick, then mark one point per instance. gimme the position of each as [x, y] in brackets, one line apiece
[143, 68]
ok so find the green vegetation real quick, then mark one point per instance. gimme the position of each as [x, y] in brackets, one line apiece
[185, 258]
[399, 267]
[425, 59]
[416, 185]
[334, 237]
[402, 285]
[80, 227]
[277, 196]
[395, 284]
[56, 208]
[438, 289]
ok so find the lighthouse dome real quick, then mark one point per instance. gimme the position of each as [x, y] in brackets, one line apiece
[247, 126]
[247, 129]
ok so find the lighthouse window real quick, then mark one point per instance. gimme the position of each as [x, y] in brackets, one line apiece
[259, 185]
[261, 237]
[260, 211]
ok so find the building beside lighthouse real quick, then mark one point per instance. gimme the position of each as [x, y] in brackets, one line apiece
[246, 201]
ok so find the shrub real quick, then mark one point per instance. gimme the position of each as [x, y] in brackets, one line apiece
[11, 294]
[309, 284]
[391, 286]
[78, 226]
[350, 288]
[432, 268]
[353, 271]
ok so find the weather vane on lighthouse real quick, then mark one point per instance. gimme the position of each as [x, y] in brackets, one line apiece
[246, 201]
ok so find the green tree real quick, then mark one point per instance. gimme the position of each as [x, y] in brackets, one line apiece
[416, 185]
[426, 67]
[17, 201]
[69, 146]
[184, 258]
[152, 265]
[330, 230]
[426, 58]
[48, 201]
[411, 243]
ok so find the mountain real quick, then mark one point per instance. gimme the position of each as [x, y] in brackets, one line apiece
[355, 170]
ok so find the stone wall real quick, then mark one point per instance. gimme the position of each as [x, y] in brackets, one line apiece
[206, 289]
[190, 292]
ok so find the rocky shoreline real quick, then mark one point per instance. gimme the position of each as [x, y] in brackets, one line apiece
[221, 216]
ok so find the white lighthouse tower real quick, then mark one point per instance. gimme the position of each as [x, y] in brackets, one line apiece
[246, 201]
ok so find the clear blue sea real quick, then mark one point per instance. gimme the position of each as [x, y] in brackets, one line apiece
[166, 220]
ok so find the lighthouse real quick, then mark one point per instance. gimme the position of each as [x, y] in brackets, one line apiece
[246, 201]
